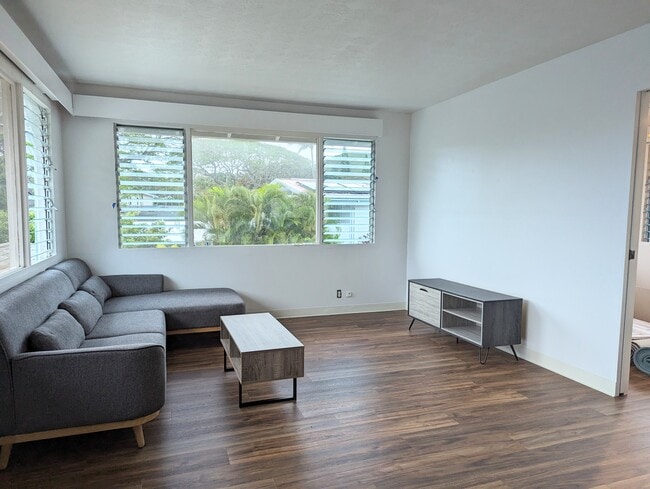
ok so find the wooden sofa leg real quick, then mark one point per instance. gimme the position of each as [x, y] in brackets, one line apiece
[139, 435]
[5, 451]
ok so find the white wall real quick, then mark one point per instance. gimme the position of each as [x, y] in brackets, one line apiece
[522, 186]
[287, 280]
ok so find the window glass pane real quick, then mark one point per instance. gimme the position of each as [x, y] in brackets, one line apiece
[348, 191]
[253, 191]
[151, 187]
[39, 180]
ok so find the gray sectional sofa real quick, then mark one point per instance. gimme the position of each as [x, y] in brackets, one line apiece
[81, 353]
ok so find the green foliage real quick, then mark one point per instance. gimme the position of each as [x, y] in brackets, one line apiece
[4, 226]
[236, 215]
[235, 201]
[32, 227]
[143, 234]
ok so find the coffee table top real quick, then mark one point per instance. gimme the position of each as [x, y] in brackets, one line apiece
[257, 332]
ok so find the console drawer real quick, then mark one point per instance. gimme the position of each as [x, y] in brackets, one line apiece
[424, 304]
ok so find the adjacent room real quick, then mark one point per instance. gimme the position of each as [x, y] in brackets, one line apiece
[324, 244]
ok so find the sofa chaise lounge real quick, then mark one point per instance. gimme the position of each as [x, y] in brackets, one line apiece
[81, 353]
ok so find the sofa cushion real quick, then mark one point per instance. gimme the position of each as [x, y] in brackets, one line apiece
[138, 284]
[24, 308]
[125, 340]
[59, 332]
[84, 308]
[75, 269]
[96, 287]
[128, 323]
[192, 308]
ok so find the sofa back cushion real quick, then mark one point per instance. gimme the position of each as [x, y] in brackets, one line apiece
[26, 306]
[84, 308]
[139, 284]
[59, 332]
[75, 269]
[96, 287]
[22, 309]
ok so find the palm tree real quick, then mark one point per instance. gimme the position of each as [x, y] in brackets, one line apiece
[301, 219]
[266, 215]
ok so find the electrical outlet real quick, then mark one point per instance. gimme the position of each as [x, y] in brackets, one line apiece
[348, 293]
[338, 293]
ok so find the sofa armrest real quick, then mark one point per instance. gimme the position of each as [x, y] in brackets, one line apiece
[66, 388]
[122, 285]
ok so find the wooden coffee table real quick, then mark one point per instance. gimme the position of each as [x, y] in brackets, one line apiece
[260, 349]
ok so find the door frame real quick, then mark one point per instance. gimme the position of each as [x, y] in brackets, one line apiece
[642, 120]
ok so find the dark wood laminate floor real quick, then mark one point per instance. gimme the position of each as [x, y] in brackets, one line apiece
[379, 407]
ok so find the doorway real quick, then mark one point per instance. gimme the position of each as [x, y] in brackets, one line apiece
[636, 299]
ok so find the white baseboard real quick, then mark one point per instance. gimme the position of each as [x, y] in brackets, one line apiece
[329, 311]
[606, 386]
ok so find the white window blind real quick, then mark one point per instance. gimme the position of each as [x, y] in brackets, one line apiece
[348, 191]
[40, 180]
[152, 189]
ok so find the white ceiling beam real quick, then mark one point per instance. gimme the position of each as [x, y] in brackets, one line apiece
[19, 49]
[147, 112]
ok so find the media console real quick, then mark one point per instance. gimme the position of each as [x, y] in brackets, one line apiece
[481, 317]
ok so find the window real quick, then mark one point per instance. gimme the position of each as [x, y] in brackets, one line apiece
[27, 212]
[645, 232]
[253, 191]
[151, 183]
[245, 190]
[9, 217]
[348, 191]
[40, 180]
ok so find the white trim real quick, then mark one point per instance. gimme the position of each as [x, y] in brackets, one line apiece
[17, 46]
[330, 311]
[606, 386]
[583, 377]
[635, 207]
[13, 179]
[148, 112]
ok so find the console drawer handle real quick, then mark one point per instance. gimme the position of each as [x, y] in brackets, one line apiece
[423, 290]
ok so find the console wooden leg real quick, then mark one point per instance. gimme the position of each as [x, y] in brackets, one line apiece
[139, 435]
[5, 451]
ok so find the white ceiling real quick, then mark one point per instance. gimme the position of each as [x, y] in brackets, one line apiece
[394, 54]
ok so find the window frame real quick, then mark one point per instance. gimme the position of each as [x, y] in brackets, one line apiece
[16, 168]
[258, 136]
[186, 180]
[645, 215]
[13, 181]
[42, 104]
[202, 131]
[372, 180]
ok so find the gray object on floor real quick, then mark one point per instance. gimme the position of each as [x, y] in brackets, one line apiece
[642, 360]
